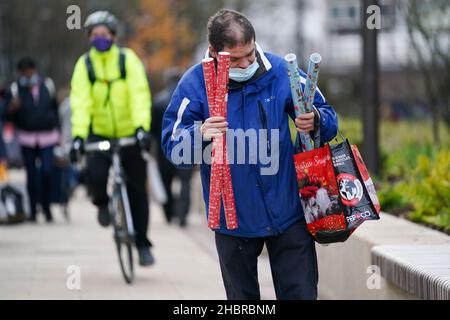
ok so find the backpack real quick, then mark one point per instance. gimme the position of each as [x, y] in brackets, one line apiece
[11, 206]
[48, 83]
[93, 77]
[23, 122]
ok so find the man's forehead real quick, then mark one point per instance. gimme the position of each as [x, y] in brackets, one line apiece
[241, 51]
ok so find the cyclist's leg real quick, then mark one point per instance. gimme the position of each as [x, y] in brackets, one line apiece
[136, 180]
[97, 170]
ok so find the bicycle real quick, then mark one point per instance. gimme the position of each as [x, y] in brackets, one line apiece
[119, 205]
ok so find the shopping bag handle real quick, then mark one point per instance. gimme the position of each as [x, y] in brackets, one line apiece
[316, 140]
[342, 136]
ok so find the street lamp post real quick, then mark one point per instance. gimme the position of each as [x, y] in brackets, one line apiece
[370, 92]
[300, 44]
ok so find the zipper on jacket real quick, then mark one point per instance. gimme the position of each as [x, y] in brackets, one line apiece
[113, 115]
[243, 108]
[263, 118]
[108, 101]
[274, 228]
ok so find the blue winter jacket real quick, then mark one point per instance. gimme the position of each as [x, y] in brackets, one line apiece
[266, 204]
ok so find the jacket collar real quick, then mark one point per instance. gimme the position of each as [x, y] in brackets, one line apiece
[263, 57]
[112, 52]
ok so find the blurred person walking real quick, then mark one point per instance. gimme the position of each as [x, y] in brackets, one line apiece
[175, 207]
[32, 106]
[110, 99]
[3, 155]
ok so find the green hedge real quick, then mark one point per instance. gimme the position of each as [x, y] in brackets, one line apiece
[415, 173]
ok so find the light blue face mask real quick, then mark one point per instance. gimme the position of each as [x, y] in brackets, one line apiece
[29, 82]
[241, 75]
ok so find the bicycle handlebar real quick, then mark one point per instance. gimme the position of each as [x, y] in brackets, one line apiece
[105, 145]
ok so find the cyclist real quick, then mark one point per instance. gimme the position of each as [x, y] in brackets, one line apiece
[110, 98]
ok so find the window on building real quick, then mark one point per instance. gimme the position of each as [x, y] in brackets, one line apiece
[345, 15]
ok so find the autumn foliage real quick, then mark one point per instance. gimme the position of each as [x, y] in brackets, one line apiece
[162, 37]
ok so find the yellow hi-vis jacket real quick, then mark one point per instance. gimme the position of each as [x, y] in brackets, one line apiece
[129, 103]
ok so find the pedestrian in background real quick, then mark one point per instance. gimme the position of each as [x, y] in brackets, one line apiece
[3, 155]
[175, 206]
[32, 106]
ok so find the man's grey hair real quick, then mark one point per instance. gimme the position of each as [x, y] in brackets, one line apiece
[229, 28]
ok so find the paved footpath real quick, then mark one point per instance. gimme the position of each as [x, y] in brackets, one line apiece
[35, 258]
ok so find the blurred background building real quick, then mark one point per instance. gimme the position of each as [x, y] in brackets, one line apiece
[333, 28]
[173, 33]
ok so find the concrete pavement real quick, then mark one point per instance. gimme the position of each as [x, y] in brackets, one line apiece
[36, 260]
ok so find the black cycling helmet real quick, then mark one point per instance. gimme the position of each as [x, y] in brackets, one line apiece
[101, 18]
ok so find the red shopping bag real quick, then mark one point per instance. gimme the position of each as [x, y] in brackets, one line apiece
[337, 193]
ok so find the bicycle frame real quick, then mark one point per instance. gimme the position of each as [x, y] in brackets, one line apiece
[118, 175]
[120, 188]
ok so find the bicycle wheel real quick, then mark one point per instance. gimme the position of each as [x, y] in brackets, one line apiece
[124, 241]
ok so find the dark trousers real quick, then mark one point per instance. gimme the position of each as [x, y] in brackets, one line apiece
[292, 258]
[38, 177]
[175, 207]
[135, 170]
[184, 202]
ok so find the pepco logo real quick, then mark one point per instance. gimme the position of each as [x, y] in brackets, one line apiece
[358, 215]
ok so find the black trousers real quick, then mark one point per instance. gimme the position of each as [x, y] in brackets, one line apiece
[178, 207]
[135, 170]
[293, 262]
[39, 178]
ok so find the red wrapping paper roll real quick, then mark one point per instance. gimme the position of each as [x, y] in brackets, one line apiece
[220, 183]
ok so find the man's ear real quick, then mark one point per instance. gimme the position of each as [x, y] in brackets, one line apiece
[212, 52]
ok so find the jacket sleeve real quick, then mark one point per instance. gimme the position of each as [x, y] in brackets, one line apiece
[50, 84]
[328, 118]
[138, 91]
[81, 100]
[4, 108]
[8, 114]
[181, 140]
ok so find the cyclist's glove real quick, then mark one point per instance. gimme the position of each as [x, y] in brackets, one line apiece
[143, 139]
[76, 150]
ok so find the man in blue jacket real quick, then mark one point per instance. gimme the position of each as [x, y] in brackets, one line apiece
[266, 192]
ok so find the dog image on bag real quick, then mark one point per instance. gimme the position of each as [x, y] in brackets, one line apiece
[317, 203]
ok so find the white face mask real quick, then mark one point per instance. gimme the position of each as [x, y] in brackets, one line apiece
[241, 75]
